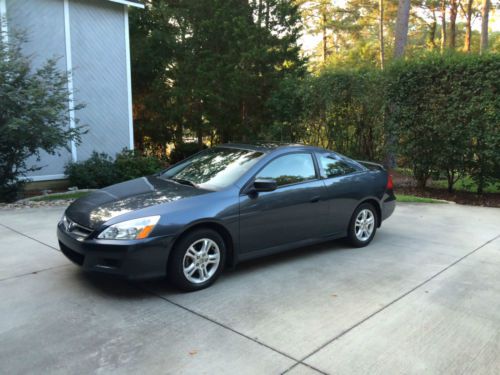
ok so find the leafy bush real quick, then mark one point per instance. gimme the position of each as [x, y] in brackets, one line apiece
[131, 164]
[100, 170]
[445, 112]
[183, 151]
[344, 110]
[94, 173]
[34, 113]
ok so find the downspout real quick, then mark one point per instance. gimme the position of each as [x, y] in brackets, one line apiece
[129, 80]
[3, 18]
[69, 70]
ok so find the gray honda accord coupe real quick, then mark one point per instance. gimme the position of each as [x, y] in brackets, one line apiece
[222, 206]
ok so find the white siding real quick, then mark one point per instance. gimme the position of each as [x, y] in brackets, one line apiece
[100, 74]
[43, 22]
[99, 62]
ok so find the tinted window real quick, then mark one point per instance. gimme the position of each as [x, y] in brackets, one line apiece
[214, 168]
[334, 167]
[289, 169]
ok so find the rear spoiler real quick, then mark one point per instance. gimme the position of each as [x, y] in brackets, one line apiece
[371, 166]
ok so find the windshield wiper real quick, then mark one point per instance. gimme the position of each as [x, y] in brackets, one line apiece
[184, 182]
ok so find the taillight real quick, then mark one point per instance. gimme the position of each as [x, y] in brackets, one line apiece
[390, 184]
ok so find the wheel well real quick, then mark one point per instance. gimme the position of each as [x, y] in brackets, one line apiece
[375, 204]
[226, 236]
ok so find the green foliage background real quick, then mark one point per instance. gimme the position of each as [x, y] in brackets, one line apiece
[101, 170]
[445, 112]
[206, 70]
[227, 70]
[34, 113]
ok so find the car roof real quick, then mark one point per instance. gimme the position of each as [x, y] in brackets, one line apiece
[267, 147]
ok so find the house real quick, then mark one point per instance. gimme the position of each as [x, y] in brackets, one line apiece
[90, 38]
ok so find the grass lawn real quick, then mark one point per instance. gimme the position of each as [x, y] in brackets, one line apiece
[466, 184]
[415, 199]
[53, 197]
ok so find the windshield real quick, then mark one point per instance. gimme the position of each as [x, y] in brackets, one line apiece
[213, 169]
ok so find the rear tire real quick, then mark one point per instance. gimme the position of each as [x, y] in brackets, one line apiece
[197, 260]
[363, 225]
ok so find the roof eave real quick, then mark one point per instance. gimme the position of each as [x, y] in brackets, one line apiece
[129, 3]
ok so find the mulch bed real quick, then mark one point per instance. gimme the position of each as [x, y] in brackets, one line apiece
[407, 186]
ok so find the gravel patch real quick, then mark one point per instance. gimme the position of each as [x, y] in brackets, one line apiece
[35, 204]
[32, 202]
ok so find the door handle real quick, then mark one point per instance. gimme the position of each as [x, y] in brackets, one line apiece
[315, 199]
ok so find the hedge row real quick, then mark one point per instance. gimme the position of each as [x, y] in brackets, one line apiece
[101, 170]
[444, 112]
[437, 114]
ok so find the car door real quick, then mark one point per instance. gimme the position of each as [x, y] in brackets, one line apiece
[295, 211]
[343, 182]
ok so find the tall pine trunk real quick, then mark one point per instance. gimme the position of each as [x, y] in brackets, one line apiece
[485, 13]
[468, 26]
[325, 36]
[443, 25]
[259, 13]
[401, 32]
[453, 23]
[381, 33]
[433, 28]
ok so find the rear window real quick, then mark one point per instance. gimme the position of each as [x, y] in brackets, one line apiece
[332, 166]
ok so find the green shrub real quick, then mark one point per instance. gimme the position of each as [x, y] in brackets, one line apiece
[444, 110]
[34, 113]
[183, 151]
[344, 111]
[100, 170]
[94, 173]
[131, 164]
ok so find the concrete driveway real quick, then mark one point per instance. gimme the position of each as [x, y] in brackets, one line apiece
[423, 298]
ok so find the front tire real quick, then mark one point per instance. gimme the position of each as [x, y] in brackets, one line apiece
[363, 225]
[197, 260]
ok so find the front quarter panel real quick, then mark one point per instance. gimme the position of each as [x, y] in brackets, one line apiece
[220, 207]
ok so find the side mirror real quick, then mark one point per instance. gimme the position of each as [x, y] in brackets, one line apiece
[261, 185]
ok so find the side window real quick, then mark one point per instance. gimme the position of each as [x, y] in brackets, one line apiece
[333, 167]
[289, 169]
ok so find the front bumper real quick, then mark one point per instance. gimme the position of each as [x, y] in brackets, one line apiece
[137, 259]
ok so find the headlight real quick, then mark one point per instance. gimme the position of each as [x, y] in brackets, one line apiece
[65, 222]
[130, 230]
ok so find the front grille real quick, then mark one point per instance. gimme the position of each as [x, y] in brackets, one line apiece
[72, 255]
[78, 231]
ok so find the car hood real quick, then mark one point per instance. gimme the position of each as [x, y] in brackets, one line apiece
[102, 205]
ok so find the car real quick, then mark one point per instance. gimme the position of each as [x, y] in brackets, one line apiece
[222, 206]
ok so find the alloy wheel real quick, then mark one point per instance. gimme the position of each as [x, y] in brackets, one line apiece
[201, 260]
[364, 225]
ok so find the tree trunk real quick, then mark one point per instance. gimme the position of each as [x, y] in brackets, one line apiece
[199, 136]
[179, 132]
[325, 37]
[401, 31]
[453, 23]
[450, 176]
[485, 13]
[468, 27]
[433, 28]
[268, 10]
[422, 182]
[381, 33]
[259, 14]
[443, 25]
